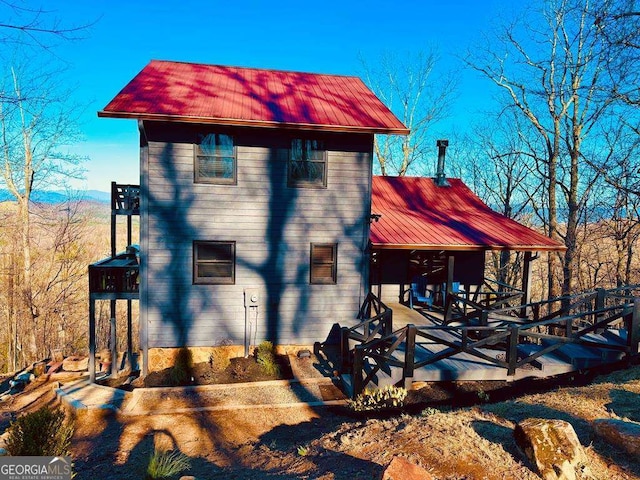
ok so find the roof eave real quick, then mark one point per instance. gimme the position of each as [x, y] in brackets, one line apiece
[253, 123]
[458, 247]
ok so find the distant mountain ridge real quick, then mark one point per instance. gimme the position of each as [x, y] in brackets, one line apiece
[53, 197]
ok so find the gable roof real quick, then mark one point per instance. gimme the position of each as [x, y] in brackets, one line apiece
[416, 213]
[191, 92]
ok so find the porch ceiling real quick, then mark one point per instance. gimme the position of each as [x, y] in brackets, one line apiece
[418, 214]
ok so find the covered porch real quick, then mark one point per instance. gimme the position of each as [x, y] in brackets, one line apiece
[429, 243]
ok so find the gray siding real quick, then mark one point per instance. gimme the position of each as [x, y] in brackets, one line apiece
[272, 225]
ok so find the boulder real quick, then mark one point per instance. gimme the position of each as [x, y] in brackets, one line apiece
[75, 364]
[552, 446]
[402, 469]
[625, 435]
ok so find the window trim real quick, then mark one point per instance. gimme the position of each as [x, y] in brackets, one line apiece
[334, 265]
[215, 180]
[213, 280]
[325, 164]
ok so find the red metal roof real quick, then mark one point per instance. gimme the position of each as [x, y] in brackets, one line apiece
[247, 96]
[416, 213]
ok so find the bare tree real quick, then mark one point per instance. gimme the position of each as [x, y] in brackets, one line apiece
[550, 68]
[35, 26]
[35, 127]
[410, 87]
[499, 168]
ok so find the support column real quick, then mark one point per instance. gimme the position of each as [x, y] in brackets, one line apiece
[113, 338]
[113, 219]
[526, 284]
[92, 340]
[448, 301]
[129, 337]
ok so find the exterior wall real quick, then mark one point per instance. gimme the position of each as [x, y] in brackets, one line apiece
[272, 225]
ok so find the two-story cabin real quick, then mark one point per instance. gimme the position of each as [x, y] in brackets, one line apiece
[255, 201]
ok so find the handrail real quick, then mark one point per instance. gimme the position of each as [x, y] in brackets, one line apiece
[504, 338]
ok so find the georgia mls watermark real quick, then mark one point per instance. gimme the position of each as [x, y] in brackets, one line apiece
[35, 468]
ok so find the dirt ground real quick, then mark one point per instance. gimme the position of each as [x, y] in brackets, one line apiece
[329, 443]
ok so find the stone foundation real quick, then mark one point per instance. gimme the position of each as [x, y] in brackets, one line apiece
[161, 358]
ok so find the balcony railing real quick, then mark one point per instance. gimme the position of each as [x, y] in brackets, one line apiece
[115, 275]
[125, 199]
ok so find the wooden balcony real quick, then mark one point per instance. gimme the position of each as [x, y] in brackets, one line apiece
[116, 277]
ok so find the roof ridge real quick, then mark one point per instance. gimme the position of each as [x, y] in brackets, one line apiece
[262, 69]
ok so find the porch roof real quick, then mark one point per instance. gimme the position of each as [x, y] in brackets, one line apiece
[193, 92]
[418, 214]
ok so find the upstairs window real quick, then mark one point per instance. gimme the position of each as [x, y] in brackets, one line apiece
[307, 164]
[324, 263]
[214, 262]
[215, 159]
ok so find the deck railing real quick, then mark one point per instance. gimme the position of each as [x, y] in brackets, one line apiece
[375, 353]
[375, 321]
[115, 275]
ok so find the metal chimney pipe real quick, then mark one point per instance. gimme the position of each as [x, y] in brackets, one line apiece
[441, 180]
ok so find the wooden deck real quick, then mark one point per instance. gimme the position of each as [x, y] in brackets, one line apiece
[418, 347]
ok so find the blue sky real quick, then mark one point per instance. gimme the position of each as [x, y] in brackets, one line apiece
[324, 37]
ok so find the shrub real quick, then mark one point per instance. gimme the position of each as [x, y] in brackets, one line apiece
[165, 464]
[44, 432]
[379, 399]
[220, 359]
[266, 358]
[182, 367]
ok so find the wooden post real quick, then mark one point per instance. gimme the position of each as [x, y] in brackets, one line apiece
[113, 338]
[128, 230]
[484, 318]
[92, 340]
[601, 294]
[512, 349]
[526, 284]
[409, 356]
[569, 328]
[388, 322]
[344, 350]
[129, 336]
[448, 300]
[113, 219]
[357, 370]
[633, 335]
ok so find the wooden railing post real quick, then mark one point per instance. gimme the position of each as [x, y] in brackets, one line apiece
[344, 350]
[357, 370]
[568, 328]
[484, 318]
[512, 349]
[633, 335]
[600, 298]
[388, 322]
[409, 355]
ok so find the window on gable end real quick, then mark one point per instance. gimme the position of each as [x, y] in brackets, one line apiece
[215, 159]
[307, 163]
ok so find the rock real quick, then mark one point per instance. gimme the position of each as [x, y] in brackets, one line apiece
[75, 364]
[401, 469]
[625, 435]
[552, 446]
